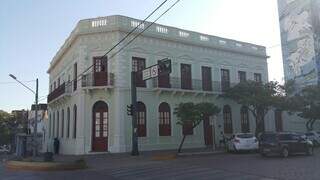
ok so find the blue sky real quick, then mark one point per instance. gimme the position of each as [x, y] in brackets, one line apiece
[32, 31]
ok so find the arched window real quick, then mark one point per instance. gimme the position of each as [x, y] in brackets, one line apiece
[74, 121]
[164, 120]
[68, 122]
[62, 123]
[278, 120]
[53, 124]
[141, 119]
[49, 125]
[227, 119]
[58, 124]
[244, 114]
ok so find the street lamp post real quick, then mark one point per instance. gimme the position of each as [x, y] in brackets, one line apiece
[35, 124]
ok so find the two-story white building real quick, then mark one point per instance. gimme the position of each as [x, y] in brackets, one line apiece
[89, 114]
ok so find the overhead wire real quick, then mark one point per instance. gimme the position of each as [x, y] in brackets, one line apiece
[124, 38]
[80, 76]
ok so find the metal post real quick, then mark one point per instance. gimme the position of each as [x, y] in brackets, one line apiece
[135, 151]
[35, 124]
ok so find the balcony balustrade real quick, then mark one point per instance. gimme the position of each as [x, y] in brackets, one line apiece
[196, 86]
[91, 80]
[63, 89]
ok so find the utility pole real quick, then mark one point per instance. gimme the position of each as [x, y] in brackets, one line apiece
[162, 68]
[135, 151]
[35, 144]
[35, 124]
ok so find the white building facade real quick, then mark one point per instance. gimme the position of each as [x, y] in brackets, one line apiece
[89, 113]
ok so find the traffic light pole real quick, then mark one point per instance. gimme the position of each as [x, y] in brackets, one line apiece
[135, 151]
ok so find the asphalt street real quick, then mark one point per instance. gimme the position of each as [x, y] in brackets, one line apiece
[244, 166]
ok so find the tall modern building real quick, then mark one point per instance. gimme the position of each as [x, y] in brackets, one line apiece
[300, 33]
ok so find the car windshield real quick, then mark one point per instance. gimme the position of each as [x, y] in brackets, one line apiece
[245, 135]
[309, 134]
[268, 137]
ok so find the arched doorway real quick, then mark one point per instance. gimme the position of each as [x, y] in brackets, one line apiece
[100, 126]
[207, 131]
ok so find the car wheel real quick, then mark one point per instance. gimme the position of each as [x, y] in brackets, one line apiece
[285, 152]
[262, 153]
[315, 143]
[309, 151]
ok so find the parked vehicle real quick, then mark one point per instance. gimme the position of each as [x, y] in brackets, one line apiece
[242, 142]
[314, 137]
[284, 143]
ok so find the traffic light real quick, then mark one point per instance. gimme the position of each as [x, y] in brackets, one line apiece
[164, 67]
[130, 110]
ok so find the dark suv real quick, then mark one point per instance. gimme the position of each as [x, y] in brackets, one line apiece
[284, 143]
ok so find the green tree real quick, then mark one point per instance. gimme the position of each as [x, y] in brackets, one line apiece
[306, 103]
[258, 97]
[10, 125]
[4, 129]
[192, 114]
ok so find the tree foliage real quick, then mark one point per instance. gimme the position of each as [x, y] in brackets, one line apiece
[191, 113]
[10, 124]
[258, 97]
[306, 103]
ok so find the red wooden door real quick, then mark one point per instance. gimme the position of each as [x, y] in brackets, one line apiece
[100, 127]
[186, 76]
[138, 64]
[100, 74]
[164, 81]
[207, 129]
[206, 78]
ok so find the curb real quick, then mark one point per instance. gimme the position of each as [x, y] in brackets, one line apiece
[44, 166]
[200, 153]
[162, 157]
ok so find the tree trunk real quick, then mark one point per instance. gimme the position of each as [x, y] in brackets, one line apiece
[257, 127]
[182, 141]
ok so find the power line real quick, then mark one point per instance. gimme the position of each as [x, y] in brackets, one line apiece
[144, 30]
[80, 75]
[42, 98]
[128, 36]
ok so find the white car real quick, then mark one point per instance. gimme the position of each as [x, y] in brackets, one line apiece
[242, 142]
[314, 137]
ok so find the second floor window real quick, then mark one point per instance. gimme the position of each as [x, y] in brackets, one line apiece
[257, 77]
[100, 71]
[206, 78]
[75, 74]
[225, 79]
[242, 76]
[138, 64]
[186, 81]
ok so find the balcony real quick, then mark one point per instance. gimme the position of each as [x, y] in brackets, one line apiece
[62, 91]
[197, 87]
[97, 81]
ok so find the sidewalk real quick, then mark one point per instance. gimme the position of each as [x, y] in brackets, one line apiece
[144, 155]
